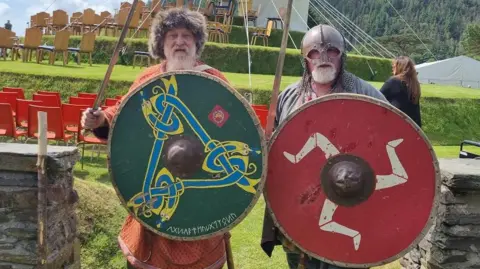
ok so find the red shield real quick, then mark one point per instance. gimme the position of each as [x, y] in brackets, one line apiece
[351, 181]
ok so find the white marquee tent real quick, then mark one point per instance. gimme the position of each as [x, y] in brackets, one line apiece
[460, 71]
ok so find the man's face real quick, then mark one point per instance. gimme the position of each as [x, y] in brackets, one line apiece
[180, 49]
[324, 65]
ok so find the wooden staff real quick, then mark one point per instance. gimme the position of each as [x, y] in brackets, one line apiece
[278, 73]
[42, 190]
[113, 60]
[228, 250]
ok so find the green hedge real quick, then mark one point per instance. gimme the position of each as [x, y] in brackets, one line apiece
[446, 121]
[234, 58]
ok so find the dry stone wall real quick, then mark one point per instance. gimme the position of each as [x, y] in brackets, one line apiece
[453, 242]
[18, 207]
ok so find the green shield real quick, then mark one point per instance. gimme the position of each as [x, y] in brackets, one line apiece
[187, 155]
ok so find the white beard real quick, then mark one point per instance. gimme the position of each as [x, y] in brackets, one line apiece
[324, 75]
[181, 62]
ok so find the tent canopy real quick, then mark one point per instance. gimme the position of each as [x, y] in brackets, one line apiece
[460, 71]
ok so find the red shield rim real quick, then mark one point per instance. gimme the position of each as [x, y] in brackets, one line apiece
[435, 164]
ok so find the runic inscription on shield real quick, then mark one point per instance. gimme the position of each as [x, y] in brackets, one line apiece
[218, 116]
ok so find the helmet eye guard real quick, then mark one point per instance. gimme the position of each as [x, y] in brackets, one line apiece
[322, 53]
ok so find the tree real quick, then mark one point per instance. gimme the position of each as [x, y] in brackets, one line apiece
[404, 44]
[471, 40]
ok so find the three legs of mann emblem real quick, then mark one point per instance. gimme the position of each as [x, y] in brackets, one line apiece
[166, 114]
[326, 221]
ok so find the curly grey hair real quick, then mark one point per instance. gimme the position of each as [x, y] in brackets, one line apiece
[176, 18]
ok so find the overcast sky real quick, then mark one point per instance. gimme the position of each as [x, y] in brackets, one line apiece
[19, 11]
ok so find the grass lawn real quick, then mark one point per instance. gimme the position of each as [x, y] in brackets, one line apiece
[100, 211]
[239, 81]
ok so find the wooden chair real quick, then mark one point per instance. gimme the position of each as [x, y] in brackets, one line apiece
[107, 21]
[88, 20]
[263, 34]
[76, 22]
[58, 21]
[6, 42]
[60, 44]
[144, 26]
[33, 20]
[86, 46]
[252, 15]
[33, 39]
[121, 20]
[41, 21]
[216, 32]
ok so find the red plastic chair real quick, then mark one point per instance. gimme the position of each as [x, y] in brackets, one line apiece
[9, 98]
[7, 123]
[81, 101]
[19, 91]
[22, 111]
[71, 113]
[87, 95]
[86, 140]
[55, 124]
[260, 107]
[111, 101]
[262, 116]
[51, 100]
[50, 93]
[119, 97]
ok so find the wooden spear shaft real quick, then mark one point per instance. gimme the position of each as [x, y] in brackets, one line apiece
[278, 73]
[42, 191]
[113, 60]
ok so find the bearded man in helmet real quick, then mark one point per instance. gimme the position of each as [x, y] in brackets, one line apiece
[323, 51]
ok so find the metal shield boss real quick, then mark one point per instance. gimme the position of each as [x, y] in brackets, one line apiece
[187, 155]
[351, 181]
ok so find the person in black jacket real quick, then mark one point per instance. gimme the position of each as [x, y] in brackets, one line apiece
[402, 90]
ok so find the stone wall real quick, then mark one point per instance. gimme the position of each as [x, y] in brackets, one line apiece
[18, 207]
[453, 242]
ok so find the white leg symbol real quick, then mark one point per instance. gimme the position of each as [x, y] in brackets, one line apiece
[328, 225]
[316, 140]
[398, 175]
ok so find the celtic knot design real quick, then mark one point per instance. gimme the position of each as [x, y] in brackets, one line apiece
[229, 160]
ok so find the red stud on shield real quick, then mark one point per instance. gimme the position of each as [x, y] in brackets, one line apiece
[351, 181]
[218, 116]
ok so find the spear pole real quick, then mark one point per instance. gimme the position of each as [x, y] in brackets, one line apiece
[113, 60]
[278, 73]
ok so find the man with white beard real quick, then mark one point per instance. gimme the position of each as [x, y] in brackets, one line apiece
[177, 36]
[323, 50]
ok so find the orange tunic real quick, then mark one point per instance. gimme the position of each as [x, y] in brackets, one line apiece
[144, 249]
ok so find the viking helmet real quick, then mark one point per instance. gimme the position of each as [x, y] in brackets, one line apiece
[329, 43]
[323, 38]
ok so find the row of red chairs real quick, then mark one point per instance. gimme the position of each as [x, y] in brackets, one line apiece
[19, 115]
[63, 119]
[51, 98]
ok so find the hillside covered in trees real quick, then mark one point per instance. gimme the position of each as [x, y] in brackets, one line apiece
[440, 24]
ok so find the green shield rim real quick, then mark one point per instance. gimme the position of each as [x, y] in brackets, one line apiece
[261, 136]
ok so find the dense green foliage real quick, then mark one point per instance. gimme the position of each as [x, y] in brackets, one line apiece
[440, 23]
[446, 121]
[234, 58]
[471, 40]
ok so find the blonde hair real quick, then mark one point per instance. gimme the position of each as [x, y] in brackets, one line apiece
[406, 72]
